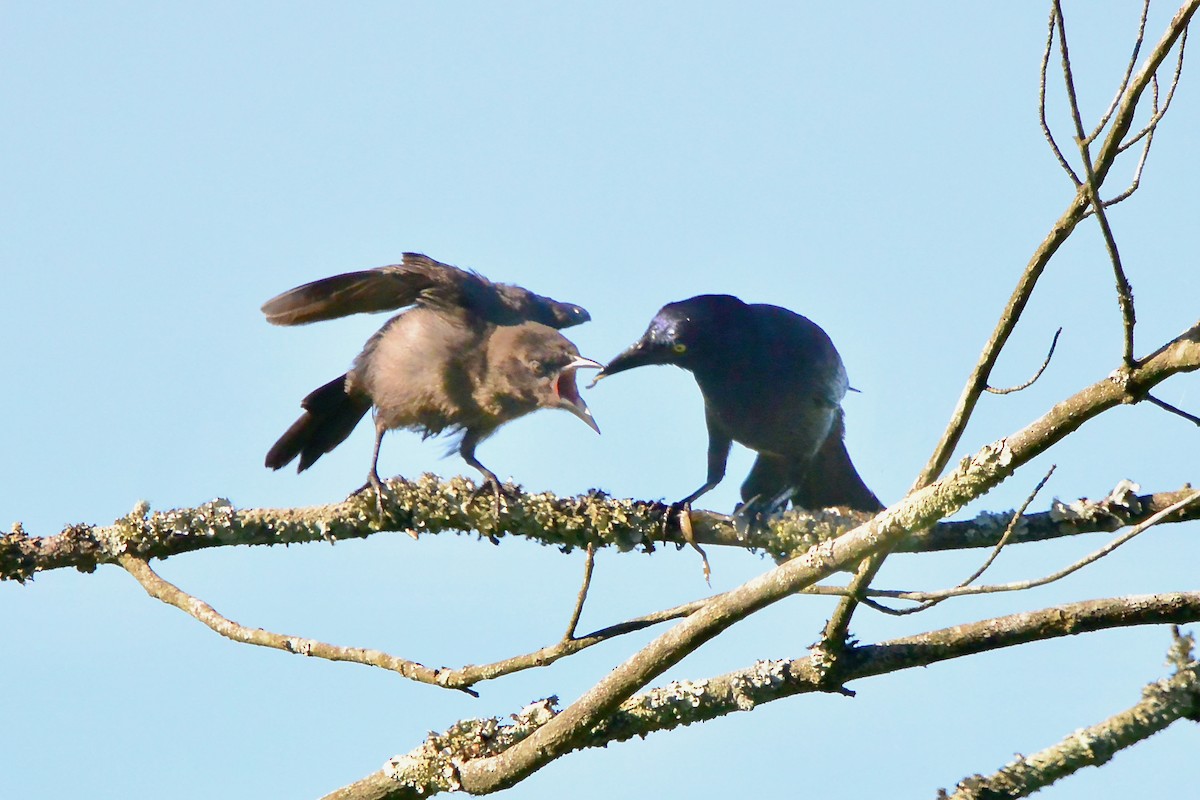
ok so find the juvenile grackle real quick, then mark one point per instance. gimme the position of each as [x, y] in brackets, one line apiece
[771, 380]
[469, 357]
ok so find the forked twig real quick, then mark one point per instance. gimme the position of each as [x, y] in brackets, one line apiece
[164, 590]
[461, 679]
[1158, 113]
[1008, 531]
[1137, 48]
[1019, 586]
[1092, 187]
[1062, 160]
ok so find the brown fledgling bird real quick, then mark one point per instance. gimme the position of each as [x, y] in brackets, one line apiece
[469, 356]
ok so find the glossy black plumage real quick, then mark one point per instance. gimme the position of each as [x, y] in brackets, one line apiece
[772, 381]
[470, 356]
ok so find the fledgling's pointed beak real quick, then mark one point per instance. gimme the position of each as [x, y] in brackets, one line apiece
[568, 392]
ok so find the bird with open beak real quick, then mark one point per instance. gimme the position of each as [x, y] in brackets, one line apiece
[469, 356]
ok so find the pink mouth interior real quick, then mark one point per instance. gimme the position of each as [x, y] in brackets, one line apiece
[566, 389]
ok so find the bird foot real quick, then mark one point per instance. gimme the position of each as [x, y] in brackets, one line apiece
[755, 515]
[500, 497]
[380, 488]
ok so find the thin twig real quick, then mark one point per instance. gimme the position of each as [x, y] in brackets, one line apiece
[1068, 76]
[1165, 406]
[1008, 531]
[1019, 586]
[1036, 375]
[1159, 113]
[1148, 131]
[1137, 48]
[1136, 182]
[588, 563]
[1062, 160]
[1092, 187]
[170, 594]
[1124, 290]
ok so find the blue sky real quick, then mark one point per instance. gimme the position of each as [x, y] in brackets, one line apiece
[169, 167]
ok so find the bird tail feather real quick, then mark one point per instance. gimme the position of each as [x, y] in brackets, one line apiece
[330, 414]
[832, 479]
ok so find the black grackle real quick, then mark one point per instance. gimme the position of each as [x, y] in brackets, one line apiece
[772, 381]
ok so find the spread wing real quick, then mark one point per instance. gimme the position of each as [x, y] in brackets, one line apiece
[418, 280]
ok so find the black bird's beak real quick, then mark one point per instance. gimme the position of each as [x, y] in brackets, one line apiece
[640, 354]
[568, 392]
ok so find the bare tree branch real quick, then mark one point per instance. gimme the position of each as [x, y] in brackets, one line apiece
[589, 562]
[839, 624]
[170, 594]
[1159, 113]
[1008, 531]
[1064, 519]
[1124, 290]
[461, 679]
[1163, 702]
[1059, 232]
[930, 598]
[448, 761]
[973, 477]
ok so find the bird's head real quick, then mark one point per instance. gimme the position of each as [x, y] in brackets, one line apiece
[678, 334]
[533, 366]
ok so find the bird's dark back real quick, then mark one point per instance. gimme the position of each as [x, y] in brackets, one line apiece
[735, 345]
[771, 378]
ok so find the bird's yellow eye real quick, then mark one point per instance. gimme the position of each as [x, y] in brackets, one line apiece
[679, 347]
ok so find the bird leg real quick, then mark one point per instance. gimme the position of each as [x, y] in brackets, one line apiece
[467, 450]
[374, 482]
[718, 455]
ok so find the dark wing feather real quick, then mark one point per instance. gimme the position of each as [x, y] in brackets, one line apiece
[364, 292]
[418, 280]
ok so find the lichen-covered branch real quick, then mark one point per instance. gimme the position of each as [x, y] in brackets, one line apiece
[973, 477]
[570, 522]
[1106, 515]
[1163, 702]
[466, 677]
[426, 505]
[439, 764]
